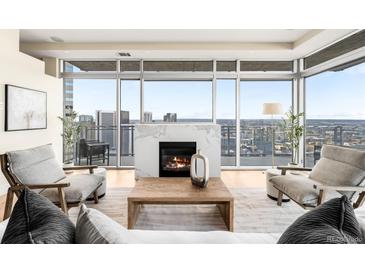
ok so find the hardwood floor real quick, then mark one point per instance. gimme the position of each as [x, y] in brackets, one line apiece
[120, 178]
[2, 205]
[125, 178]
[252, 179]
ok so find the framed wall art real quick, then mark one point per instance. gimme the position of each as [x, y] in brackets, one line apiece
[25, 109]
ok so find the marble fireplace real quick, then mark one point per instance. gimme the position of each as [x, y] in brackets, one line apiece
[164, 150]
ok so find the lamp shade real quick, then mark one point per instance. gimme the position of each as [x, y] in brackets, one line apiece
[272, 108]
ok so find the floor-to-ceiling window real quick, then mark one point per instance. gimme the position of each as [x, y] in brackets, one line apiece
[225, 116]
[335, 112]
[94, 102]
[177, 101]
[129, 116]
[256, 128]
[178, 91]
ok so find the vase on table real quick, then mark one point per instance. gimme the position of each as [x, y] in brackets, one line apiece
[200, 181]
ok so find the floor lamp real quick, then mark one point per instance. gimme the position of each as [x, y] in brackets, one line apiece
[272, 109]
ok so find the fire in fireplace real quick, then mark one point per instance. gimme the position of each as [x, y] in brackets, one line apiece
[175, 158]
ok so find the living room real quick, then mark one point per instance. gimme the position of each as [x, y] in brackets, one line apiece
[182, 135]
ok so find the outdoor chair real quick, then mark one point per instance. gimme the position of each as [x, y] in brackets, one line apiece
[98, 151]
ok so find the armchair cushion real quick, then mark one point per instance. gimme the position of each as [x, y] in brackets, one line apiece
[35, 220]
[297, 187]
[82, 185]
[340, 166]
[353, 157]
[36, 165]
[335, 173]
[333, 222]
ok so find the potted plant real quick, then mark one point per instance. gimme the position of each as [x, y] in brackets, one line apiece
[71, 134]
[294, 131]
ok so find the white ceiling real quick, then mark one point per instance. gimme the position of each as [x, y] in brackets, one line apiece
[161, 36]
[231, 44]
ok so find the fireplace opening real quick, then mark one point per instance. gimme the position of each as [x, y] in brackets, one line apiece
[175, 158]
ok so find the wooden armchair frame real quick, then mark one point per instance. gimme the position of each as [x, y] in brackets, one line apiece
[16, 187]
[323, 188]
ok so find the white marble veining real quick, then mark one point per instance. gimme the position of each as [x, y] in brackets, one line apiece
[148, 136]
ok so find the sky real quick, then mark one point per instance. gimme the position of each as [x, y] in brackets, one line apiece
[329, 95]
[337, 95]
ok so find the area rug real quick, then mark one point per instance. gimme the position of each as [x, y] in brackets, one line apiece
[253, 212]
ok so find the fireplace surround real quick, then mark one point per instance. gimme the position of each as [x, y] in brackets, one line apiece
[148, 136]
[175, 158]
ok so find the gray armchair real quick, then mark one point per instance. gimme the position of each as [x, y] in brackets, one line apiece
[38, 169]
[340, 171]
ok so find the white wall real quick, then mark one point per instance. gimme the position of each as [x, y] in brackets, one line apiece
[19, 69]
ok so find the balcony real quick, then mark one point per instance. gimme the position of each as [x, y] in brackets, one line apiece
[255, 144]
[255, 147]
[105, 137]
[253, 151]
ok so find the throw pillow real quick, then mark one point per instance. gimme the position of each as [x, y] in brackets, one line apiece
[333, 222]
[36, 220]
[93, 227]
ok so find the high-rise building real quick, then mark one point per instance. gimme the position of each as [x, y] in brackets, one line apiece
[87, 124]
[124, 117]
[84, 118]
[147, 117]
[68, 93]
[105, 124]
[125, 134]
[337, 135]
[170, 117]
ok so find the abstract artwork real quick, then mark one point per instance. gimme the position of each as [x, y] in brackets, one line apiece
[25, 109]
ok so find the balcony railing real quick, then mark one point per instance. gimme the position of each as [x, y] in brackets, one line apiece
[255, 143]
[350, 134]
[108, 134]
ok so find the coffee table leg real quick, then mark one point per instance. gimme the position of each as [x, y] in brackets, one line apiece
[133, 211]
[230, 219]
[226, 210]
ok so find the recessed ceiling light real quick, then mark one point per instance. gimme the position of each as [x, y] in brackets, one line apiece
[56, 39]
[124, 54]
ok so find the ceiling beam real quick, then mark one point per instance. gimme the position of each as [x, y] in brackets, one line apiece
[306, 37]
[25, 47]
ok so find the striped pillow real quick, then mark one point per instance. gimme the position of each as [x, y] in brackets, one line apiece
[333, 222]
[36, 220]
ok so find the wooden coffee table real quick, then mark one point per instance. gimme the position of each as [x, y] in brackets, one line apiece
[172, 191]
